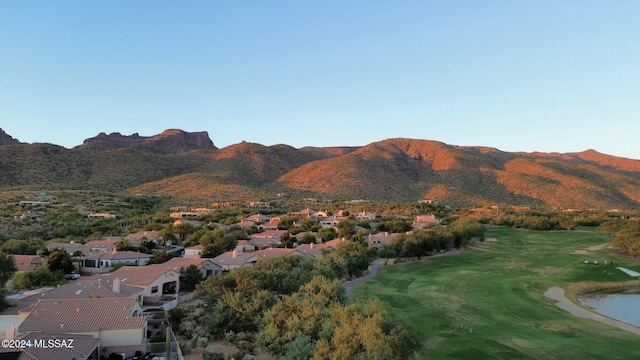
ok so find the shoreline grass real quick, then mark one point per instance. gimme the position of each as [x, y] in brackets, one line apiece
[490, 305]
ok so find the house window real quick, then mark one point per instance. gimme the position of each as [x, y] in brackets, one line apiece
[154, 289]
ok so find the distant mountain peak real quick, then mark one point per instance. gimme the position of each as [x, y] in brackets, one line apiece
[170, 141]
[6, 139]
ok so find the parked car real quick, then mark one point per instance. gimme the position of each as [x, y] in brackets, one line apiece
[72, 276]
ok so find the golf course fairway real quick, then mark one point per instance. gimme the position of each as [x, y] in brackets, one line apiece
[489, 303]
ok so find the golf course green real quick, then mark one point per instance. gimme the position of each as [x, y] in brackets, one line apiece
[487, 302]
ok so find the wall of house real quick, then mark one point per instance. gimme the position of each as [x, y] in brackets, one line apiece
[122, 337]
[167, 277]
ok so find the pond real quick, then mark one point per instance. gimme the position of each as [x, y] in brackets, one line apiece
[621, 305]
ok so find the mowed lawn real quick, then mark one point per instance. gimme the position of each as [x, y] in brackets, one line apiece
[490, 304]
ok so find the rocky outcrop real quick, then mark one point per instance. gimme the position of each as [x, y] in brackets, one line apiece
[172, 141]
[175, 141]
[6, 139]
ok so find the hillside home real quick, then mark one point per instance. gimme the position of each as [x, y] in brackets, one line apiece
[104, 245]
[365, 215]
[259, 218]
[206, 266]
[28, 262]
[85, 287]
[379, 239]
[183, 214]
[70, 248]
[331, 221]
[425, 220]
[83, 347]
[102, 262]
[194, 224]
[260, 204]
[307, 213]
[136, 239]
[114, 321]
[276, 252]
[313, 250]
[193, 251]
[155, 281]
[101, 216]
[233, 259]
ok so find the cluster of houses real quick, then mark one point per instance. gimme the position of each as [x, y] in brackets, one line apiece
[104, 310]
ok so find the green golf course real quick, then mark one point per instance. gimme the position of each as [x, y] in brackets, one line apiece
[488, 302]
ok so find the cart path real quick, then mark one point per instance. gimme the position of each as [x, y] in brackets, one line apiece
[557, 293]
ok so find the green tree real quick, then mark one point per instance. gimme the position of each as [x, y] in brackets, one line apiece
[387, 251]
[7, 267]
[60, 261]
[190, 277]
[39, 277]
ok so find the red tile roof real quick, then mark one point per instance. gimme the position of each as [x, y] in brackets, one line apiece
[82, 315]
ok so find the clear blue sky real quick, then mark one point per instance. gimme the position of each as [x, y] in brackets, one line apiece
[517, 75]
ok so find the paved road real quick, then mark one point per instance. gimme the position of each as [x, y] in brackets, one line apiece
[373, 271]
[557, 293]
[375, 266]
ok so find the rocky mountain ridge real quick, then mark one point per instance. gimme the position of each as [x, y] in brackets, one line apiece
[393, 170]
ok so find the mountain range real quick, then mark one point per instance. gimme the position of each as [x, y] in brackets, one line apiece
[187, 165]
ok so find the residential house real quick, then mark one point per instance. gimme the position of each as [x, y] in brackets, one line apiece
[206, 266]
[194, 224]
[365, 215]
[101, 216]
[183, 214]
[379, 239]
[258, 218]
[156, 281]
[313, 250]
[267, 238]
[331, 221]
[308, 213]
[104, 245]
[193, 251]
[82, 347]
[28, 262]
[100, 262]
[425, 220]
[234, 259]
[85, 287]
[136, 239]
[116, 322]
[70, 248]
[276, 252]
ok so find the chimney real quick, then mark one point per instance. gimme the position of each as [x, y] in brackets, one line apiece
[234, 254]
[11, 333]
[116, 285]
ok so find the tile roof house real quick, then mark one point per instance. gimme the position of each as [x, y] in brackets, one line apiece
[313, 250]
[155, 281]
[308, 213]
[276, 252]
[105, 261]
[70, 248]
[379, 239]
[194, 251]
[115, 321]
[104, 245]
[82, 347]
[136, 239]
[206, 266]
[28, 262]
[85, 287]
[234, 259]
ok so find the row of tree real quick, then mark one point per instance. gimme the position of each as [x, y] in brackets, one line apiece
[295, 307]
